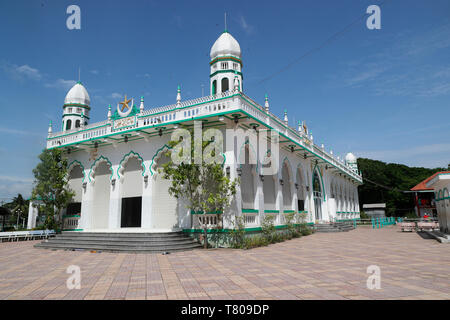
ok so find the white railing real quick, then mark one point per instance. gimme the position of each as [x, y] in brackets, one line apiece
[211, 221]
[71, 223]
[250, 219]
[190, 109]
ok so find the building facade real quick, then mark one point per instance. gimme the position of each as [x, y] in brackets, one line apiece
[440, 182]
[113, 164]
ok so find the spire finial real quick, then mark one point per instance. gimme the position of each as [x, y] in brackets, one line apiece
[226, 30]
[178, 96]
[266, 103]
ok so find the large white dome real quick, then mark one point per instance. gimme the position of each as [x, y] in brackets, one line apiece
[226, 44]
[78, 94]
[350, 157]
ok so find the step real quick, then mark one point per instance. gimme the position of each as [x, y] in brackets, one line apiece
[128, 243]
[120, 248]
[121, 242]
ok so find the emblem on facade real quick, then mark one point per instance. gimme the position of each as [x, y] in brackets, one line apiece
[124, 108]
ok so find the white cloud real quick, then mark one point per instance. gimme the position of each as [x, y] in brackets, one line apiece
[116, 95]
[61, 84]
[21, 72]
[249, 29]
[11, 186]
[95, 72]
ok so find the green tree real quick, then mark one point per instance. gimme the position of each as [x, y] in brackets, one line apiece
[51, 186]
[205, 187]
[19, 209]
[385, 183]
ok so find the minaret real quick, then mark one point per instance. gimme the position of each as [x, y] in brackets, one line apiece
[266, 103]
[141, 107]
[225, 63]
[286, 122]
[299, 125]
[179, 97]
[76, 107]
[109, 113]
[50, 129]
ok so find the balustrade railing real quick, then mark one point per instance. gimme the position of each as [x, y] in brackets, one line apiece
[188, 110]
[71, 222]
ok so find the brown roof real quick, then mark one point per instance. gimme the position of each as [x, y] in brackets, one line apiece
[422, 186]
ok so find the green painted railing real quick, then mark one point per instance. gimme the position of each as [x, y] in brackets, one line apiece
[381, 222]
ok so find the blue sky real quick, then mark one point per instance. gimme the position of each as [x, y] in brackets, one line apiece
[382, 94]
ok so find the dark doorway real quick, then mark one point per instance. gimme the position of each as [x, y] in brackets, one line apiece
[301, 205]
[73, 208]
[131, 212]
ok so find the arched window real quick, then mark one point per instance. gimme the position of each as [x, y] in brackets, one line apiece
[225, 85]
[214, 87]
[317, 195]
[68, 124]
[77, 124]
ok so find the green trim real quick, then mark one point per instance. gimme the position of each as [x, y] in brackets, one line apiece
[280, 227]
[226, 71]
[80, 164]
[78, 105]
[107, 161]
[226, 58]
[72, 216]
[271, 211]
[321, 179]
[157, 152]
[288, 211]
[250, 211]
[76, 115]
[208, 116]
[127, 155]
[73, 229]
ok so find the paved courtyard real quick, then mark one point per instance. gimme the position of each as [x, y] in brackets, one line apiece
[320, 266]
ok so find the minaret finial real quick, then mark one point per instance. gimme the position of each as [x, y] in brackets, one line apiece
[178, 96]
[226, 30]
[141, 107]
[266, 103]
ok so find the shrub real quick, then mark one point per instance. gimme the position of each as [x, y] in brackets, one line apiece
[238, 233]
[268, 227]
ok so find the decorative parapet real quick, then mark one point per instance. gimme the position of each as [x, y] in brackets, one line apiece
[203, 107]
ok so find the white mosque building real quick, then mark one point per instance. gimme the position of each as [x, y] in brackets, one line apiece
[113, 164]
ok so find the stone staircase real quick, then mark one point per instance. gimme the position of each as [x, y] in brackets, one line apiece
[121, 242]
[334, 227]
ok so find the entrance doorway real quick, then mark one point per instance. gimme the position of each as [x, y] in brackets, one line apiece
[317, 194]
[131, 212]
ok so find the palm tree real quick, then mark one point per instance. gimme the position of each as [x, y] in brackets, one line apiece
[19, 208]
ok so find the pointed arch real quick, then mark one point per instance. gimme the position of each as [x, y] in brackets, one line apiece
[72, 165]
[251, 153]
[156, 156]
[96, 163]
[317, 169]
[125, 159]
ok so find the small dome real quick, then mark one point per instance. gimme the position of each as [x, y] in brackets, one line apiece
[226, 44]
[350, 157]
[78, 94]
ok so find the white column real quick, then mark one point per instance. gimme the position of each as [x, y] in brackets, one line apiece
[32, 215]
[146, 217]
[279, 199]
[115, 203]
[260, 199]
[87, 195]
